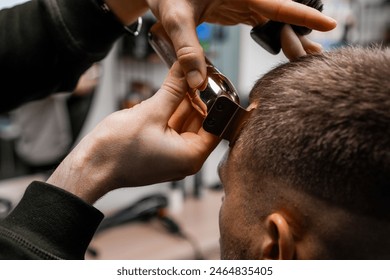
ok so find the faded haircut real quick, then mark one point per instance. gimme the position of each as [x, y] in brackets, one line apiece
[323, 126]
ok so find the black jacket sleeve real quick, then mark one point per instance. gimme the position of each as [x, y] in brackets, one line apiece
[48, 223]
[45, 45]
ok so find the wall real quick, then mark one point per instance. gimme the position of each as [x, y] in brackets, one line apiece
[10, 3]
[254, 61]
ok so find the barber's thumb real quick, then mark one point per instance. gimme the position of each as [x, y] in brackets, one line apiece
[193, 62]
[172, 91]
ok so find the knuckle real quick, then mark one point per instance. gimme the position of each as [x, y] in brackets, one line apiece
[188, 56]
[187, 53]
[173, 88]
[186, 169]
[190, 168]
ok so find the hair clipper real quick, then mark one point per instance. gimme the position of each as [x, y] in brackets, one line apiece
[218, 103]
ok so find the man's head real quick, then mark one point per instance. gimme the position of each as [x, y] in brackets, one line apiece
[309, 176]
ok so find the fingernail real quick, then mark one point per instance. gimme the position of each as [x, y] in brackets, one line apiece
[194, 79]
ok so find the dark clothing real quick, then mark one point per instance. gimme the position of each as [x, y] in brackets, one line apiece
[48, 223]
[45, 45]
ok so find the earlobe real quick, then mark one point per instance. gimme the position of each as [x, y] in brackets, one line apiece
[279, 243]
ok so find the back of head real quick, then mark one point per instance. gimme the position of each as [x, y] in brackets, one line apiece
[322, 127]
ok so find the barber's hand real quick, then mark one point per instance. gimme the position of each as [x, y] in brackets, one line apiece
[160, 139]
[295, 46]
[180, 18]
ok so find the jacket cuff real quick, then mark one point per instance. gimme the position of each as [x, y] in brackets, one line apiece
[54, 220]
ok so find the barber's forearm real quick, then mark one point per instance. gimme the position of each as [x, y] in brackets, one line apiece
[85, 172]
[127, 11]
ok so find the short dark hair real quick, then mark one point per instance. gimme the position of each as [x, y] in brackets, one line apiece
[323, 126]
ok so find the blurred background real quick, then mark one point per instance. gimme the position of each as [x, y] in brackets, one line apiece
[174, 220]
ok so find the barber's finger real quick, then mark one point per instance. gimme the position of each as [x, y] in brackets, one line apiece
[310, 46]
[210, 141]
[180, 115]
[171, 93]
[193, 122]
[294, 13]
[291, 45]
[189, 52]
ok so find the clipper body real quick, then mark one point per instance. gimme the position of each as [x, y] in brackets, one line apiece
[219, 103]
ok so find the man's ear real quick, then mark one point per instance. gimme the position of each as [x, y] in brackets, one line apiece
[279, 243]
